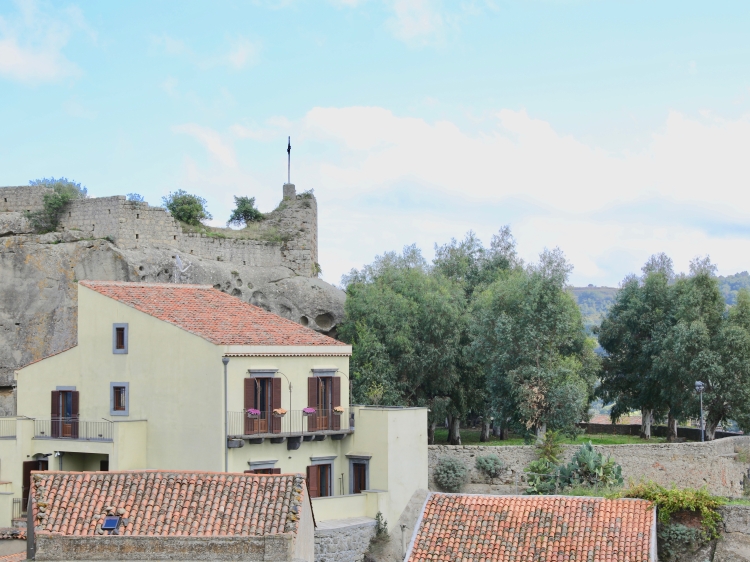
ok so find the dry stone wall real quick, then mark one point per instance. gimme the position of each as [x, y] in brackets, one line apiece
[714, 464]
[20, 199]
[344, 542]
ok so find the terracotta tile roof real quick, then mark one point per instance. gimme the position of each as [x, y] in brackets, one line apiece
[541, 528]
[207, 312]
[167, 503]
[17, 557]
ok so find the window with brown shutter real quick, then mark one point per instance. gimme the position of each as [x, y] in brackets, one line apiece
[312, 402]
[250, 426]
[313, 481]
[276, 403]
[119, 338]
[55, 414]
[74, 414]
[335, 402]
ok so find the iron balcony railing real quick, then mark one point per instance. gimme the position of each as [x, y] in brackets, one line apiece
[294, 422]
[18, 508]
[73, 428]
[7, 428]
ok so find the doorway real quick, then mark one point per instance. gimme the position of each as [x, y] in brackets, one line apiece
[28, 466]
[359, 473]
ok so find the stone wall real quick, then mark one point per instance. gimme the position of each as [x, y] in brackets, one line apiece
[20, 199]
[275, 548]
[287, 238]
[345, 540]
[713, 464]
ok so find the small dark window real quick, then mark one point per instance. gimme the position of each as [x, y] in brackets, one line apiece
[137, 216]
[136, 237]
[175, 237]
[119, 338]
[104, 466]
[119, 398]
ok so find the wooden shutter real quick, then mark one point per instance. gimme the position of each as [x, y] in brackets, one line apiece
[336, 401]
[313, 481]
[250, 425]
[75, 401]
[312, 402]
[55, 414]
[276, 471]
[275, 403]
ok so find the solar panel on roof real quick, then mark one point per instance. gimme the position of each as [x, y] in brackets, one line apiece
[110, 523]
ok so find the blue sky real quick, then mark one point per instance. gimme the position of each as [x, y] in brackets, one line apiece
[613, 130]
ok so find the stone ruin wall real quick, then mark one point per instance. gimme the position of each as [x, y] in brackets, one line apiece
[133, 225]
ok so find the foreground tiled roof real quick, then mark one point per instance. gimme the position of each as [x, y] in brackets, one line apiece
[539, 528]
[207, 312]
[167, 503]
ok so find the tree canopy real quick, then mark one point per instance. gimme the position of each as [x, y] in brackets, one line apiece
[186, 207]
[244, 211]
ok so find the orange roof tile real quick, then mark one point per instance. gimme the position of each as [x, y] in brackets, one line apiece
[167, 503]
[544, 528]
[207, 312]
[17, 557]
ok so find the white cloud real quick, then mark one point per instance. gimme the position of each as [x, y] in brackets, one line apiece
[32, 43]
[409, 180]
[238, 53]
[212, 141]
[416, 21]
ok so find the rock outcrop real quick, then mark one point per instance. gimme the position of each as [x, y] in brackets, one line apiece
[39, 275]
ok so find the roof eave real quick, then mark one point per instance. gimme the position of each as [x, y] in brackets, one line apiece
[288, 350]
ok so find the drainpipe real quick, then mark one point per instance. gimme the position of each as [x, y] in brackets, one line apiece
[225, 360]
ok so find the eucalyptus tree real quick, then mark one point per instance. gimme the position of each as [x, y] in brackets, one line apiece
[629, 335]
[405, 324]
[528, 334]
[472, 267]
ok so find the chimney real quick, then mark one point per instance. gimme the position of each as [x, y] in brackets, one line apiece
[289, 191]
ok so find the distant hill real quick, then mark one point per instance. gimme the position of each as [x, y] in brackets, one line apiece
[595, 301]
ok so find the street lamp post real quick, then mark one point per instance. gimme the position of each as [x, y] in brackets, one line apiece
[699, 387]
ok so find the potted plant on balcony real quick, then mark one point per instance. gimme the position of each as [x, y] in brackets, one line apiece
[279, 412]
[252, 413]
[308, 411]
[338, 410]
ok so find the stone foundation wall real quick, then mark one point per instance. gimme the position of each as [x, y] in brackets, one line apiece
[254, 253]
[252, 549]
[713, 464]
[343, 541]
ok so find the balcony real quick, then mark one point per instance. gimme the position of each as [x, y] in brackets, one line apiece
[73, 428]
[295, 423]
[7, 428]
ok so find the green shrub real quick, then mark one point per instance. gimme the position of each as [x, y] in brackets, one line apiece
[381, 525]
[491, 466]
[669, 501]
[589, 468]
[675, 539]
[542, 474]
[450, 474]
[244, 211]
[61, 193]
[186, 207]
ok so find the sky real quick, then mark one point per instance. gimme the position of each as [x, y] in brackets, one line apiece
[610, 129]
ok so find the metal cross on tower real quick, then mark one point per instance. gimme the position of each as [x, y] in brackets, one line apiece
[289, 161]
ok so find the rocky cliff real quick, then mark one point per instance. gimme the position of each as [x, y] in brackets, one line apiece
[39, 273]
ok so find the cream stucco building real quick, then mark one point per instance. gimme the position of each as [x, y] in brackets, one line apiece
[163, 377]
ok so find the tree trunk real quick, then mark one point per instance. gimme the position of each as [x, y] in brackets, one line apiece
[646, 415]
[431, 432]
[671, 428]
[484, 436]
[541, 431]
[711, 426]
[454, 430]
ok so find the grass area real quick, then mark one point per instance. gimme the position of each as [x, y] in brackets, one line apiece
[739, 501]
[471, 437]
